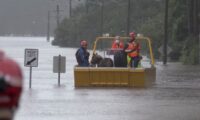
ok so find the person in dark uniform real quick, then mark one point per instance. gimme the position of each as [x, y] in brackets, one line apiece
[82, 55]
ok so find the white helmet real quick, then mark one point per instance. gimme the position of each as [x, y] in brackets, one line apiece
[117, 37]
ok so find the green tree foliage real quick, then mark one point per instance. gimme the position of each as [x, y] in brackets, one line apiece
[184, 33]
[178, 30]
[87, 26]
[147, 17]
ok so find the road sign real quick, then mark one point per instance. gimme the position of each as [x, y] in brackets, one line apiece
[31, 58]
[59, 63]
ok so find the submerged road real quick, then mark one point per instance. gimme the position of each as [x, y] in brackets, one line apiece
[175, 95]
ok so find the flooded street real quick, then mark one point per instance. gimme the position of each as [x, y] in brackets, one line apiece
[175, 95]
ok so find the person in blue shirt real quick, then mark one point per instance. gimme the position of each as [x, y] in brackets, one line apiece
[82, 55]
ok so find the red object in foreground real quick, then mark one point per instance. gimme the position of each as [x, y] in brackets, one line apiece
[10, 82]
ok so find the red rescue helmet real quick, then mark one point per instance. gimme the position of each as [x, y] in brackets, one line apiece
[83, 43]
[11, 79]
[132, 34]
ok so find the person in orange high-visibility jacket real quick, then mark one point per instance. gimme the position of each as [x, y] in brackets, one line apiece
[10, 86]
[117, 43]
[132, 48]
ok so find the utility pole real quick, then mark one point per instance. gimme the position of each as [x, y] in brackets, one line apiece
[166, 33]
[197, 27]
[70, 8]
[58, 15]
[102, 16]
[102, 22]
[48, 27]
[195, 23]
[87, 6]
[128, 18]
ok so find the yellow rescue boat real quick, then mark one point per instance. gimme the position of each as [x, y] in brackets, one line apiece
[116, 76]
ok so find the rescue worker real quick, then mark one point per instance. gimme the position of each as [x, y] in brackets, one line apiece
[117, 43]
[82, 55]
[132, 48]
[10, 87]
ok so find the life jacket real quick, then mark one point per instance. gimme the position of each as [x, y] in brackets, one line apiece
[133, 46]
[115, 45]
[78, 57]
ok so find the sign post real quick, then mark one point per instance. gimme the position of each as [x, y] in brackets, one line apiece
[30, 77]
[59, 57]
[31, 60]
[59, 63]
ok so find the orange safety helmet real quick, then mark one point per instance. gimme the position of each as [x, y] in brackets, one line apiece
[83, 43]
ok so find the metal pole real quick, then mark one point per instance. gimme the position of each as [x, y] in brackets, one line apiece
[70, 8]
[197, 27]
[102, 22]
[128, 18]
[48, 27]
[58, 15]
[30, 77]
[87, 7]
[199, 48]
[166, 34]
[102, 14]
[59, 60]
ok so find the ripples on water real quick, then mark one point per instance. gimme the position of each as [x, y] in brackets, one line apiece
[175, 95]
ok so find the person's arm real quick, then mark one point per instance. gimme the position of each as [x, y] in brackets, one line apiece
[127, 51]
[87, 55]
[81, 55]
[125, 46]
[84, 56]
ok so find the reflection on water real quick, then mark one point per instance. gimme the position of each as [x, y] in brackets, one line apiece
[175, 95]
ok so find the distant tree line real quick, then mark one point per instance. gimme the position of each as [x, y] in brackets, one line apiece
[147, 17]
[185, 27]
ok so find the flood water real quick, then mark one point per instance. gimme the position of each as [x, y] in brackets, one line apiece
[175, 95]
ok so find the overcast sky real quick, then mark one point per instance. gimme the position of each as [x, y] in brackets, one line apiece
[30, 16]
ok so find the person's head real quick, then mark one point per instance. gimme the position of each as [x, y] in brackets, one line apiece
[84, 43]
[132, 36]
[117, 39]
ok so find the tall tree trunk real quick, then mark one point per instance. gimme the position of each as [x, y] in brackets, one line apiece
[196, 27]
[190, 16]
[193, 29]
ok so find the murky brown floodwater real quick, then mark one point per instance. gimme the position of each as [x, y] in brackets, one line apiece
[175, 95]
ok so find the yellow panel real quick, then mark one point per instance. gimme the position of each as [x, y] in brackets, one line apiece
[150, 76]
[109, 76]
[94, 77]
[137, 77]
[81, 77]
[124, 78]
[117, 78]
